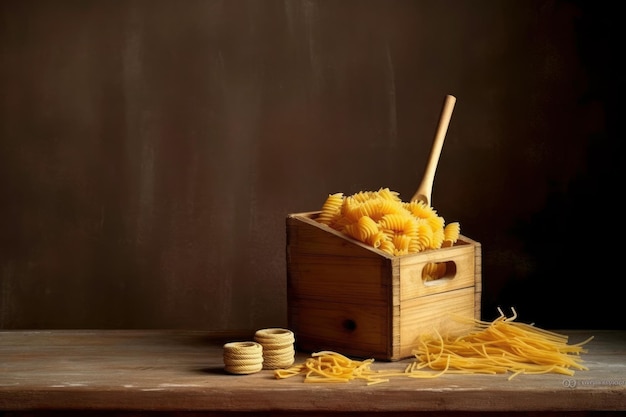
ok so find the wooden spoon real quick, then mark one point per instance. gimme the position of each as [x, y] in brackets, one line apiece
[425, 189]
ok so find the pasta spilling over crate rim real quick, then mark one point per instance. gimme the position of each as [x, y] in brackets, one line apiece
[348, 296]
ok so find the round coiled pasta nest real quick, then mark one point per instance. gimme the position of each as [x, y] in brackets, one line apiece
[278, 347]
[243, 357]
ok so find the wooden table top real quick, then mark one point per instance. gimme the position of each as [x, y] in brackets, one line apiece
[155, 370]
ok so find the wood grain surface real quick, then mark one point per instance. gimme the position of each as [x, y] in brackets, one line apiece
[175, 371]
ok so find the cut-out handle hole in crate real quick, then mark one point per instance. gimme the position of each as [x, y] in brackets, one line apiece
[436, 273]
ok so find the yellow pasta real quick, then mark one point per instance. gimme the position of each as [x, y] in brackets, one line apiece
[352, 230]
[432, 271]
[501, 346]
[382, 220]
[377, 240]
[451, 233]
[411, 227]
[367, 227]
[331, 208]
[370, 208]
[333, 367]
[328, 366]
[387, 245]
[416, 245]
[387, 194]
[395, 221]
[401, 243]
[386, 206]
[498, 347]
[437, 239]
[362, 196]
[424, 237]
[421, 209]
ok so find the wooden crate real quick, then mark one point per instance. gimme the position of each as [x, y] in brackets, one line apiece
[346, 296]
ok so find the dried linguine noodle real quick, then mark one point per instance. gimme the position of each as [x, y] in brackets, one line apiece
[498, 347]
[501, 346]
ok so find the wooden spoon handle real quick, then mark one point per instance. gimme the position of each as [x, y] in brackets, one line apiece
[424, 191]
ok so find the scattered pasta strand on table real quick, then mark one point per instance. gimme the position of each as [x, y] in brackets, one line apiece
[498, 347]
[501, 346]
[332, 367]
[328, 366]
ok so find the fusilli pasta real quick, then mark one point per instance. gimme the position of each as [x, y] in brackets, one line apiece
[382, 220]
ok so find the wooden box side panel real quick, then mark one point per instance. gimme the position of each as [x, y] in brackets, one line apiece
[352, 329]
[338, 291]
[327, 267]
[478, 281]
[478, 272]
[460, 262]
[318, 238]
[331, 278]
[438, 311]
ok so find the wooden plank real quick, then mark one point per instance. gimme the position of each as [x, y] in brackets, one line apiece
[412, 285]
[437, 311]
[129, 370]
[361, 330]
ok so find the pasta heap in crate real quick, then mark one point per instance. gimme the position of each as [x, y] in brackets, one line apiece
[382, 220]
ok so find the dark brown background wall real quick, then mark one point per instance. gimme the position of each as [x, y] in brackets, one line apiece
[151, 150]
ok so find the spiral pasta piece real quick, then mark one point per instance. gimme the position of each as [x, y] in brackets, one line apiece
[394, 221]
[451, 233]
[387, 194]
[387, 246]
[401, 243]
[352, 230]
[424, 236]
[378, 239]
[421, 209]
[367, 227]
[331, 208]
[437, 239]
[370, 208]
